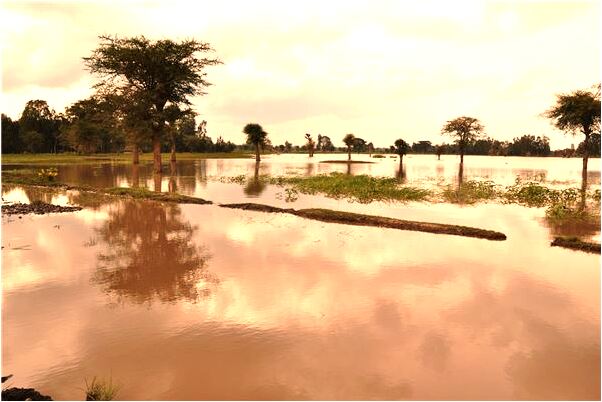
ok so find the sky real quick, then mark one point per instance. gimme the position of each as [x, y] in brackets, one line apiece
[379, 69]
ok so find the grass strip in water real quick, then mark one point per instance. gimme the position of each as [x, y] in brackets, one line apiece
[146, 194]
[574, 243]
[349, 218]
[361, 188]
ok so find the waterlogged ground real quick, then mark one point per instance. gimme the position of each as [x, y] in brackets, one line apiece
[202, 302]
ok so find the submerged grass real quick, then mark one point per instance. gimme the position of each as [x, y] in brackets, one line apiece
[362, 188]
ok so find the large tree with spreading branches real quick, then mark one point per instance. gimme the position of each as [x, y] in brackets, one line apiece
[159, 73]
[465, 130]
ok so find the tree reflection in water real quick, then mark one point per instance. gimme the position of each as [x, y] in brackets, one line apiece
[150, 255]
[254, 186]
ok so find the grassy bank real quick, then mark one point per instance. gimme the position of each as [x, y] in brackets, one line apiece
[349, 218]
[66, 158]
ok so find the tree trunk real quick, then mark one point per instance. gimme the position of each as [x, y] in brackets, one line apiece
[157, 178]
[348, 153]
[400, 162]
[172, 158]
[257, 157]
[585, 155]
[135, 176]
[156, 154]
[135, 155]
[462, 157]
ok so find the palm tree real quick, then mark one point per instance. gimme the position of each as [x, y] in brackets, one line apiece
[349, 140]
[401, 148]
[255, 136]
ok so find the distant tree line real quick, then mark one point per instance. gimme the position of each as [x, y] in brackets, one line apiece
[88, 127]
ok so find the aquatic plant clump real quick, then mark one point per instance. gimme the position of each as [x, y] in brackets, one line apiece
[362, 188]
[470, 192]
[101, 390]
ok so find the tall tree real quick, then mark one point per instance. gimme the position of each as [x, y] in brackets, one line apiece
[310, 144]
[256, 136]
[401, 148]
[465, 130]
[162, 72]
[349, 140]
[578, 111]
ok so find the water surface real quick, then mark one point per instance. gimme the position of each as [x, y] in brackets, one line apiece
[202, 302]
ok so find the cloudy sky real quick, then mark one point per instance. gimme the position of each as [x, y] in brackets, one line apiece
[380, 69]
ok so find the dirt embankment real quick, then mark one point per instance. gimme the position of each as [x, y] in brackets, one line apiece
[349, 218]
[36, 207]
[23, 394]
[575, 243]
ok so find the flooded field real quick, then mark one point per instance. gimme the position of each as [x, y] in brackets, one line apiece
[203, 302]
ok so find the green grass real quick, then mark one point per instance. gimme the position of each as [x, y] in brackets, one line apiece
[66, 158]
[361, 188]
[101, 390]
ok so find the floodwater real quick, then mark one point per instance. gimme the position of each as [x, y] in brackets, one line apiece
[203, 302]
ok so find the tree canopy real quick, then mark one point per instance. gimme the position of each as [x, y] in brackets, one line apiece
[256, 136]
[401, 147]
[578, 111]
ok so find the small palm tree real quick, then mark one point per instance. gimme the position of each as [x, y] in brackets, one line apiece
[255, 136]
[349, 140]
[401, 148]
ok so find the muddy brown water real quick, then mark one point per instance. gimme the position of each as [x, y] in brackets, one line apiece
[202, 302]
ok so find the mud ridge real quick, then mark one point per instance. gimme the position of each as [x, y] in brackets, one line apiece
[349, 218]
[575, 243]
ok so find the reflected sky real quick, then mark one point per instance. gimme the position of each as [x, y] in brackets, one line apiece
[299, 309]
